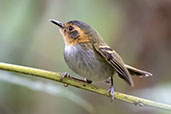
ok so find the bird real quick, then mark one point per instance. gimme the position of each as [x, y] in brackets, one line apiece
[89, 56]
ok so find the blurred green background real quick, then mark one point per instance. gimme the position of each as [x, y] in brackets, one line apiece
[139, 30]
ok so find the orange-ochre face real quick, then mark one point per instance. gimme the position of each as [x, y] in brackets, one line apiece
[73, 35]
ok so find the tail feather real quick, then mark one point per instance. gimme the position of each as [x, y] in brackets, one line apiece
[137, 72]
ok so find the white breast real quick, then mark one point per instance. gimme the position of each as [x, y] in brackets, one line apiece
[87, 62]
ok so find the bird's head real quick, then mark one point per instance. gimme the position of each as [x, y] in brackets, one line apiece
[75, 32]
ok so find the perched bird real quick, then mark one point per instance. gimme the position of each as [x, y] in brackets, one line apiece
[88, 55]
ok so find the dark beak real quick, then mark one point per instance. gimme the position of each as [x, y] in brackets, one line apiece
[60, 24]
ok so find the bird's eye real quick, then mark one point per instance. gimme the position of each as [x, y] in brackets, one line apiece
[71, 28]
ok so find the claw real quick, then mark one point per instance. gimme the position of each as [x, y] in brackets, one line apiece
[111, 89]
[65, 75]
[111, 92]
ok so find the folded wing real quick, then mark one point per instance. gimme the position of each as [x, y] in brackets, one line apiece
[115, 60]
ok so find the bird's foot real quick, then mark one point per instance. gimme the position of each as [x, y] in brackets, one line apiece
[87, 81]
[111, 92]
[83, 80]
[65, 75]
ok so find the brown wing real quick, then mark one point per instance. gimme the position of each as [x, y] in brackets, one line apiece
[115, 60]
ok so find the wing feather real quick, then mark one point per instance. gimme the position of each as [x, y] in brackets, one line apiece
[115, 60]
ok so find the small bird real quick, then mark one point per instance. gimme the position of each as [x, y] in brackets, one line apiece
[88, 55]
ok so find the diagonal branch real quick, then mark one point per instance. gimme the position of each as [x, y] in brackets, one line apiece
[82, 85]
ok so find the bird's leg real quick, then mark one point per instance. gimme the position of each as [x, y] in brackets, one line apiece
[111, 89]
[83, 80]
[87, 81]
[65, 74]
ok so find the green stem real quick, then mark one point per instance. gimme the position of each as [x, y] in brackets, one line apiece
[79, 84]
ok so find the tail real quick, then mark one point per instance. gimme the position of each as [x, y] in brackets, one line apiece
[137, 72]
